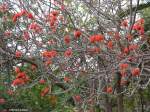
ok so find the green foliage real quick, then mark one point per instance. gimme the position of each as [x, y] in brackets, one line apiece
[146, 16]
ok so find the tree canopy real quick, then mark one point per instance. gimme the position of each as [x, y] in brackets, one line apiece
[74, 56]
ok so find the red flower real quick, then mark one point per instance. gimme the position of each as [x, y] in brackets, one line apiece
[66, 79]
[135, 71]
[55, 13]
[92, 39]
[77, 33]
[133, 47]
[18, 54]
[15, 17]
[49, 54]
[99, 38]
[18, 15]
[51, 42]
[141, 32]
[67, 39]
[77, 98]
[117, 36]
[129, 37]
[2, 101]
[54, 18]
[23, 12]
[126, 50]
[68, 53]
[26, 79]
[124, 66]
[18, 82]
[42, 81]
[21, 75]
[7, 33]
[3, 7]
[109, 90]
[62, 7]
[96, 38]
[45, 91]
[26, 35]
[124, 23]
[131, 58]
[30, 16]
[137, 27]
[52, 23]
[35, 27]
[110, 44]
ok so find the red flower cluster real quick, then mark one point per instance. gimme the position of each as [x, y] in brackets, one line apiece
[52, 18]
[18, 82]
[110, 44]
[3, 7]
[135, 71]
[7, 33]
[139, 26]
[77, 98]
[67, 39]
[77, 33]
[51, 42]
[96, 38]
[49, 54]
[133, 47]
[68, 53]
[123, 66]
[18, 54]
[55, 13]
[35, 27]
[45, 91]
[117, 36]
[109, 89]
[42, 81]
[26, 35]
[21, 79]
[131, 58]
[126, 50]
[30, 16]
[129, 37]
[66, 79]
[22, 13]
[124, 23]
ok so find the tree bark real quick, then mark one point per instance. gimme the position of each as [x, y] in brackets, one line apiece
[108, 107]
[120, 103]
[120, 106]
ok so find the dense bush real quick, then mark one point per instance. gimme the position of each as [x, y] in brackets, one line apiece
[74, 56]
